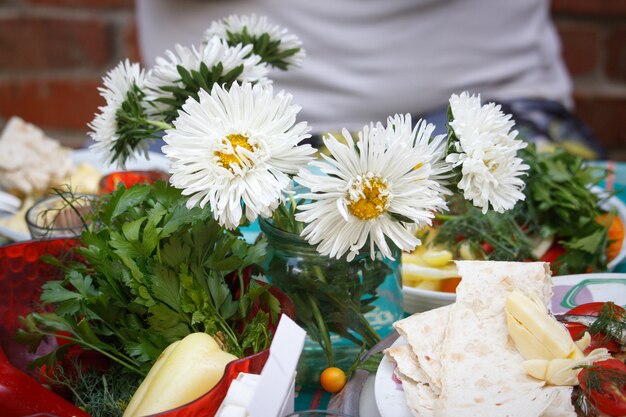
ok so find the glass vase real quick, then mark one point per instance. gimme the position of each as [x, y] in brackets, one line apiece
[355, 303]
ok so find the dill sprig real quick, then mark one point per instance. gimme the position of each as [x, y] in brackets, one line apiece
[593, 381]
[502, 231]
[611, 322]
[100, 394]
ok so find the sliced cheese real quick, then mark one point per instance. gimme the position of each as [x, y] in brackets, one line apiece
[525, 342]
[546, 331]
[562, 372]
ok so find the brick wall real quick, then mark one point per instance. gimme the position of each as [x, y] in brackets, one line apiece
[593, 34]
[53, 54]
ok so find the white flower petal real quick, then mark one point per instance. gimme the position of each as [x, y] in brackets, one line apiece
[487, 152]
[390, 169]
[224, 154]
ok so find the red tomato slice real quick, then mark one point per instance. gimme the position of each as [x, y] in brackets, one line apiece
[610, 395]
[553, 253]
[486, 247]
[590, 309]
[577, 330]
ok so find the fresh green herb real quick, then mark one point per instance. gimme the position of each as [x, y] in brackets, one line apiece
[559, 204]
[100, 394]
[560, 201]
[594, 380]
[507, 240]
[611, 322]
[151, 273]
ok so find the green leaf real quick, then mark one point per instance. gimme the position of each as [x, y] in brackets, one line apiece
[171, 325]
[129, 199]
[166, 288]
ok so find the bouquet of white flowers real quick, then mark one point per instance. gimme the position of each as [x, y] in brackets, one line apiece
[235, 147]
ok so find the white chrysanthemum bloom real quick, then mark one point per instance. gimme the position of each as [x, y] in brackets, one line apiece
[432, 149]
[257, 26]
[165, 72]
[117, 84]
[487, 152]
[378, 188]
[235, 148]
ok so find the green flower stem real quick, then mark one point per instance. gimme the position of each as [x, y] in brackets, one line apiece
[369, 334]
[444, 217]
[160, 125]
[324, 333]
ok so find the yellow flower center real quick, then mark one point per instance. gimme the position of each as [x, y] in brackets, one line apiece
[228, 159]
[372, 201]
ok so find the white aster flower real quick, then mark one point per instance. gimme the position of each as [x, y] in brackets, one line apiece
[486, 150]
[256, 27]
[117, 84]
[432, 149]
[235, 148]
[165, 72]
[378, 188]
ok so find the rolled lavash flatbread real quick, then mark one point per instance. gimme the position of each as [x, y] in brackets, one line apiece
[481, 372]
[417, 391]
[418, 363]
[425, 332]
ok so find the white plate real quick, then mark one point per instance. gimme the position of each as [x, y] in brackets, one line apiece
[416, 299]
[156, 161]
[569, 291]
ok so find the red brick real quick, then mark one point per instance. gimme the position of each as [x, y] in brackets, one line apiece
[86, 4]
[605, 114]
[27, 43]
[616, 54]
[590, 7]
[581, 45]
[56, 103]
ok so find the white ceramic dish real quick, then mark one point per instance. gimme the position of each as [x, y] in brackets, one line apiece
[569, 291]
[416, 299]
[156, 161]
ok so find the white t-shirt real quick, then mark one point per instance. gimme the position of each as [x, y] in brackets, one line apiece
[368, 59]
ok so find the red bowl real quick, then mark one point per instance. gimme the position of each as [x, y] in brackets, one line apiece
[110, 182]
[22, 273]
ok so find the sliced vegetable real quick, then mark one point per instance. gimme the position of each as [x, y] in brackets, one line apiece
[615, 234]
[610, 323]
[552, 254]
[450, 284]
[186, 370]
[604, 386]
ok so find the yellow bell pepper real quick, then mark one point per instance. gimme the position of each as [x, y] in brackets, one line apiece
[185, 370]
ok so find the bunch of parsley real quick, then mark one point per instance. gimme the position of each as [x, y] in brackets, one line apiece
[559, 203]
[150, 273]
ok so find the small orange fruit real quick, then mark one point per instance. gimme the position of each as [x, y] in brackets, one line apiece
[333, 379]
